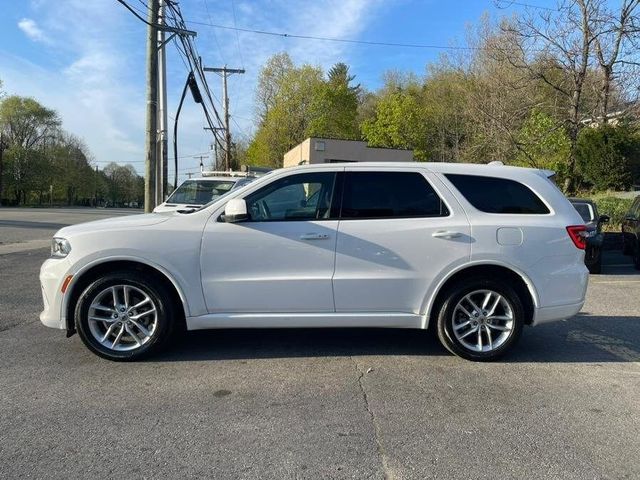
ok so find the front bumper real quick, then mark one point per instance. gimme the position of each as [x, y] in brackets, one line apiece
[52, 275]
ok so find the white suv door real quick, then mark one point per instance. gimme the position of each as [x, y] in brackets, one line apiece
[399, 231]
[282, 258]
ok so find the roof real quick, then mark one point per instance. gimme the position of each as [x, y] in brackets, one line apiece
[436, 167]
[216, 179]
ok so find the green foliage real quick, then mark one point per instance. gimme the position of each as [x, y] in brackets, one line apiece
[296, 102]
[606, 155]
[615, 208]
[542, 142]
[398, 122]
[43, 164]
[25, 122]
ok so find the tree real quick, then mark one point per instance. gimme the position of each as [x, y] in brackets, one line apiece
[606, 155]
[399, 122]
[611, 33]
[333, 111]
[554, 47]
[25, 122]
[272, 76]
[542, 143]
[295, 102]
[124, 184]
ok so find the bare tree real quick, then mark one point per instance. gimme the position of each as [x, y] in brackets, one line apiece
[612, 31]
[554, 47]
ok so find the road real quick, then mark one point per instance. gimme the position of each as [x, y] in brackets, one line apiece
[320, 403]
[30, 228]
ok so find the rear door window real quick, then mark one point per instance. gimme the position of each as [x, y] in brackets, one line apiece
[498, 195]
[389, 195]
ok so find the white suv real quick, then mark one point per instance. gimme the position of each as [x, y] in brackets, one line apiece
[477, 251]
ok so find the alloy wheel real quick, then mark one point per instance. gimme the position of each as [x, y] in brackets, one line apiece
[122, 318]
[483, 320]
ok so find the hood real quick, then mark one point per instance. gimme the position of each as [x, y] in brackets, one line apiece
[115, 223]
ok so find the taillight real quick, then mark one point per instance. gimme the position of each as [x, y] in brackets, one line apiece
[578, 234]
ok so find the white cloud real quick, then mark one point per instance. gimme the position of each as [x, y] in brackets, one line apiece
[33, 31]
[96, 76]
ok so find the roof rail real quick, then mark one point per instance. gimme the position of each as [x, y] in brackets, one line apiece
[213, 173]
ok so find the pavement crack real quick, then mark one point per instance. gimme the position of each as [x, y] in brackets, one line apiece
[376, 427]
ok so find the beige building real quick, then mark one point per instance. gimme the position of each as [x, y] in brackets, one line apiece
[329, 150]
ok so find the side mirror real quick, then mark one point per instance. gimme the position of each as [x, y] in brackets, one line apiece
[604, 218]
[235, 211]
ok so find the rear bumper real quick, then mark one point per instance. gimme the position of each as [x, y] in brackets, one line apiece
[558, 312]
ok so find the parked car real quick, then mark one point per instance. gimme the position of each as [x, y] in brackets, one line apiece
[594, 236]
[631, 233]
[194, 193]
[475, 252]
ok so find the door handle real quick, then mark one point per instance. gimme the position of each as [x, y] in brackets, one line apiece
[314, 236]
[446, 234]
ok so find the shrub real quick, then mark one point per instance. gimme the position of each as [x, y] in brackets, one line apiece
[616, 208]
[607, 156]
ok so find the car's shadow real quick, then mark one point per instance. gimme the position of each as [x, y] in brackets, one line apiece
[583, 339]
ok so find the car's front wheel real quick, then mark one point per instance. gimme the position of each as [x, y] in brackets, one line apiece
[124, 316]
[480, 319]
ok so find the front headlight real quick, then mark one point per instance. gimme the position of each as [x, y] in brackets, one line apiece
[60, 247]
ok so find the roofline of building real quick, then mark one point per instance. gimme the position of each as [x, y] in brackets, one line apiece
[350, 140]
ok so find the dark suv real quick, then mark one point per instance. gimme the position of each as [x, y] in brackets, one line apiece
[594, 236]
[631, 233]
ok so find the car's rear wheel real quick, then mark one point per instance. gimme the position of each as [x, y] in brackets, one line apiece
[480, 319]
[124, 316]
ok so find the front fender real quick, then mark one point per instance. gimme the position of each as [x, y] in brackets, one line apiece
[79, 268]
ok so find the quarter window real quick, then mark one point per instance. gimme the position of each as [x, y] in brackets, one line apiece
[498, 195]
[305, 196]
[389, 194]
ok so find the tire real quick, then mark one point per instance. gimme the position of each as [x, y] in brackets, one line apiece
[145, 316]
[504, 325]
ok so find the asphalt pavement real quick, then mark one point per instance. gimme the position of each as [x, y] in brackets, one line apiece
[318, 403]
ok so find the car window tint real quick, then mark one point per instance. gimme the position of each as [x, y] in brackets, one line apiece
[305, 196]
[584, 209]
[389, 194]
[498, 195]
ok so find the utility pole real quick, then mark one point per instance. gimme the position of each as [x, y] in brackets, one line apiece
[224, 72]
[95, 202]
[151, 140]
[162, 167]
[214, 146]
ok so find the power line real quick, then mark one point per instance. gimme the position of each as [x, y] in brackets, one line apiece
[330, 39]
[206, 6]
[235, 24]
[511, 3]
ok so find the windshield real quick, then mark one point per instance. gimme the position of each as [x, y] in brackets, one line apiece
[241, 186]
[200, 192]
[585, 211]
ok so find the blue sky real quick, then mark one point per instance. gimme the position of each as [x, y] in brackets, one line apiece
[85, 58]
